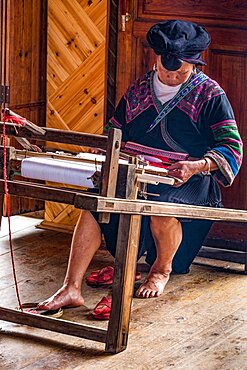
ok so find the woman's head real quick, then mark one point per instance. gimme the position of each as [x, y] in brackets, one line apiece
[178, 42]
[173, 78]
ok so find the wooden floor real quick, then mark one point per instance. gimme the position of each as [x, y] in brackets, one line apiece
[199, 323]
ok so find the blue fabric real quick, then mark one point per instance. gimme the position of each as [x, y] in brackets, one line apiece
[228, 155]
[177, 40]
[196, 191]
[194, 232]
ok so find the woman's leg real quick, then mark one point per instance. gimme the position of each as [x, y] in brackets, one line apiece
[85, 242]
[167, 234]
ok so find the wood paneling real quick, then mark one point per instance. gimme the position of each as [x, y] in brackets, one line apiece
[26, 69]
[228, 12]
[76, 58]
[75, 77]
[111, 58]
[27, 58]
[229, 68]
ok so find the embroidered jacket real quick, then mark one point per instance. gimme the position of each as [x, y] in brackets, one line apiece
[201, 124]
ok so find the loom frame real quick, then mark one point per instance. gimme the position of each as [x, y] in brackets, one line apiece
[131, 211]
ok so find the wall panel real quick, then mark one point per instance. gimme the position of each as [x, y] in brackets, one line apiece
[75, 79]
[24, 69]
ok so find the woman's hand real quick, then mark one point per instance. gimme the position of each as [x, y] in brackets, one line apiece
[95, 150]
[183, 170]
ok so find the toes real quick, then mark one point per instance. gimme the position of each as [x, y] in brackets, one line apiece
[140, 289]
[42, 305]
[49, 304]
[153, 294]
[148, 293]
[45, 306]
[141, 292]
[145, 292]
[138, 292]
[153, 286]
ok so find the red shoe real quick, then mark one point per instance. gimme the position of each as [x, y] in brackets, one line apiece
[101, 278]
[33, 308]
[104, 277]
[103, 309]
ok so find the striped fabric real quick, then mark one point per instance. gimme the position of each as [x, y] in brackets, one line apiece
[228, 151]
[134, 148]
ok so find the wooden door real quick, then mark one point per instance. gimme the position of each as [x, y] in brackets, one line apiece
[23, 69]
[226, 59]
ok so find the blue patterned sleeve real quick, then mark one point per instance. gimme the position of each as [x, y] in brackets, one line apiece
[227, 148]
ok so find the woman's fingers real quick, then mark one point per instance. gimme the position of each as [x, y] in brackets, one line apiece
[182, 170]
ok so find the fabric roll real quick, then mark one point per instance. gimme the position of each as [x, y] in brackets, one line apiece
[58, 170]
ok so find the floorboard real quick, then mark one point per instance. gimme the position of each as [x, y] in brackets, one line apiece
[199, 323]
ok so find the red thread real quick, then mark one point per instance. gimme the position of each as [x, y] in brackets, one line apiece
[12, 117]
[8, 210]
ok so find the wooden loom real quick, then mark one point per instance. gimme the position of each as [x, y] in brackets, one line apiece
[117, 196]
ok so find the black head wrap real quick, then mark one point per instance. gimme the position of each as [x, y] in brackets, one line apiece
[177, 41]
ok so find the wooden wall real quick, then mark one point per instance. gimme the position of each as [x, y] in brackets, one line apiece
[75, 65]
[75, 79]
[111, 58]
[23, 66]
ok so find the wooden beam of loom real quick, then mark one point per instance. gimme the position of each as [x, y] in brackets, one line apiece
[53, 324]
[34, 129]
[97, 203]
[59, 136]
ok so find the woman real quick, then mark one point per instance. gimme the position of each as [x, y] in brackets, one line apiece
[174, 107]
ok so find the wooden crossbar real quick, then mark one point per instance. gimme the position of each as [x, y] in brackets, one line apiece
[39, 191]
[151, 208]
[98, 203]
[53, 324]
[58, 136]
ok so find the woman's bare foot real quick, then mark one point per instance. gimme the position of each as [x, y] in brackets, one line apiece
[64, 297]
[154, 284]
